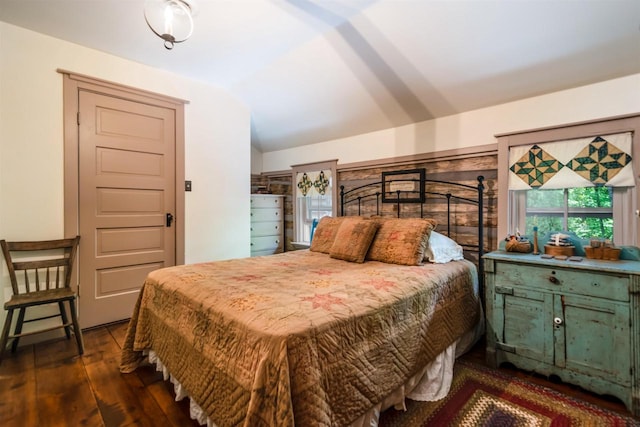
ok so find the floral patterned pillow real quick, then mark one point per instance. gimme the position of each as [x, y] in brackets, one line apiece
[325, 234]
[401, 240]
[353, 239]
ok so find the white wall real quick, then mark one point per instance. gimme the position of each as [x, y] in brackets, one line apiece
[256, 160]
[31, 144]
[610, 98]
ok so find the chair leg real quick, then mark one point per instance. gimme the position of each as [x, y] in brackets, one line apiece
[18, 330]
[5, 332]
[63, 315]
[76, 326]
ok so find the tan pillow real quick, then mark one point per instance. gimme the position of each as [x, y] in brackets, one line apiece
[353, 239]
[325, 234]
[401, 240]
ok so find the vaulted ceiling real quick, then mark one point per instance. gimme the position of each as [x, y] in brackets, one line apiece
[316, 70]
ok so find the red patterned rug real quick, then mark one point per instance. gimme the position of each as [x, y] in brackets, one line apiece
[484, 397]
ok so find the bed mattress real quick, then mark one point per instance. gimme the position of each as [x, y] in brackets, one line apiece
[298, 338]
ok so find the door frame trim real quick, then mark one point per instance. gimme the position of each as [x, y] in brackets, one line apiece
[72, 85]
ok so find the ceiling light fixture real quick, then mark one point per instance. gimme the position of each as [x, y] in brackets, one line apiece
[171, 20]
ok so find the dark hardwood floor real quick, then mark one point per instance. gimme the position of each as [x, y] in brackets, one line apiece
[48, 384]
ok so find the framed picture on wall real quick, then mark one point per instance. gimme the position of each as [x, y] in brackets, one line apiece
[405, 186]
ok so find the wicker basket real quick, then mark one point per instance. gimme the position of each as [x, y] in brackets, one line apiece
[559, 250]
[516, 246]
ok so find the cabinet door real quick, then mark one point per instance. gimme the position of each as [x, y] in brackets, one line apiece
[523, 322]
[592, 337]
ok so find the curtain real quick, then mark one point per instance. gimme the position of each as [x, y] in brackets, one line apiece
[585, 162]
[312, 184]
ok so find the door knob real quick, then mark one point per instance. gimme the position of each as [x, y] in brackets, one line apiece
[169, 219]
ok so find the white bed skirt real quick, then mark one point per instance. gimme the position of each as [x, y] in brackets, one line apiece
[430, 384]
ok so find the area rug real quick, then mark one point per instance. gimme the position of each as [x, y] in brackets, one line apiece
[481, 396]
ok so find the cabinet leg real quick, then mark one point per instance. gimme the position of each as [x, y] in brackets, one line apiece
[491, 359]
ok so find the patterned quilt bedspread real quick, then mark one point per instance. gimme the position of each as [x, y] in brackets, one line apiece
[298, 338]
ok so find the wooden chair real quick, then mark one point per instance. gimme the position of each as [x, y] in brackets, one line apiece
[46, 279]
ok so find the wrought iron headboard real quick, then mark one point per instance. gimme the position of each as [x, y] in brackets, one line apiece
[360, 196]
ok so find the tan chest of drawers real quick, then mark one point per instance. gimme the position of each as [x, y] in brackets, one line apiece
[267, 224]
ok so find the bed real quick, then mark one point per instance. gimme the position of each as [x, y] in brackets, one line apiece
[328, 336]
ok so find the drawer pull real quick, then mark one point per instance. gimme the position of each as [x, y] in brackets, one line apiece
[504, 290]
[557, 321]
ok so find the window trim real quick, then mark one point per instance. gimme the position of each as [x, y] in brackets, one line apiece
[629, 123]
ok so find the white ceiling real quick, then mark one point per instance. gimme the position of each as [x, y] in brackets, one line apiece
[315, 70]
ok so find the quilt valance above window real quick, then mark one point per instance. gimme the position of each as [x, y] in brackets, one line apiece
[585, 162]
[314, 184]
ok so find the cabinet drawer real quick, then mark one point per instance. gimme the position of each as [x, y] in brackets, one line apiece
[270, 228]
[265, 214]
[266, 202]
[267, 252]
[583, 282]
[264, 243]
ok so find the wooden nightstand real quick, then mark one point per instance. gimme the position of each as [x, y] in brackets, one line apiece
[577, 320]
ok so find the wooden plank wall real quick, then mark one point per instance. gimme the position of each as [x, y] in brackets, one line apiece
[464, 170]
[464, 224]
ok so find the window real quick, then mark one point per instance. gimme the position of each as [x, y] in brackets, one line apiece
[308, 209]
[587, 212]
[315, 195]
[580, 177]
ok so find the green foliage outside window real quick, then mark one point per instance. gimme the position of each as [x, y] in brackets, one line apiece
[591, 197]
[588, 211]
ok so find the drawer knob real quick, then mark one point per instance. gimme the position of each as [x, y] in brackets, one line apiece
[554, 280]
[557, 321]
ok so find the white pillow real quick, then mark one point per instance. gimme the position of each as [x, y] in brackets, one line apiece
[442, 249]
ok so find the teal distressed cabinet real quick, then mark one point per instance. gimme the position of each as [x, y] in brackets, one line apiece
[577, 320]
